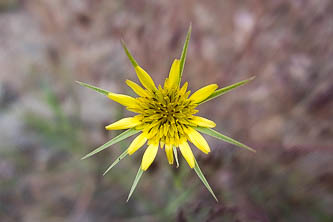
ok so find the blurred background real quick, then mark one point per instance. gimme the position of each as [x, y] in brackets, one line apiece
[48, 122]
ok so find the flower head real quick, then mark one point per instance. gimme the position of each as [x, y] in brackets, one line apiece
[165, 117]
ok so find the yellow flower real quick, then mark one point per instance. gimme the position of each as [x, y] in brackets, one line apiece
[165, 117]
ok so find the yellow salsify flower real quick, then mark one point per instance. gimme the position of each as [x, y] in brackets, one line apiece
[165, 117]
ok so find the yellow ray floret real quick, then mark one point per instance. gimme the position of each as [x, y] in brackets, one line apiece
[145, 79]
[173, 80]
[198, 140]
[122, 99]
[137, 143]
[124, 123]
[203, 93]
[186, 151]
[203, 122]
[137, 89]
[169, 153]
[149, 156]
[162, 144]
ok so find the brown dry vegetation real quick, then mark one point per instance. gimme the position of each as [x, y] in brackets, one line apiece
[48, 122]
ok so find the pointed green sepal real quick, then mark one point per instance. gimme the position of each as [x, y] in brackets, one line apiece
[222, 137]
[99, 90]
[203, 179]
[120, 137]
[129, 55]
[184, 53]
[176, 156]
[122, 156]
[135, 183]
[226, 89]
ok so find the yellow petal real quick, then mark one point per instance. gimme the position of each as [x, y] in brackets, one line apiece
[203, 93]
[169, 153]
[149, 156]
[203, 122]
[145, 79]
[137, 143]
[182, 91]
[122, 99]
[198, 140]
[124, 123]
[173, 81]
[161, 144]
[186, 151]
[166, 82]
[137, 89]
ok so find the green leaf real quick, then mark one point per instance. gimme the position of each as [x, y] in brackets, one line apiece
[203, 179]
[122, 156]
[226, 89]
[184, 52]
[220, 136]
[176, 156]
[135, 183]
[120, 137]
[129, 55]
[99, 90]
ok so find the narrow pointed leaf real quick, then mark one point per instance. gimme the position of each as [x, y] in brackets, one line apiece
[99, 90]
[203, 179]
[115, 140]
[129, 55]
[226, 89]
[122, 156]
[135, 183]
[176, 156]
[220, 136]
[184, 52]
